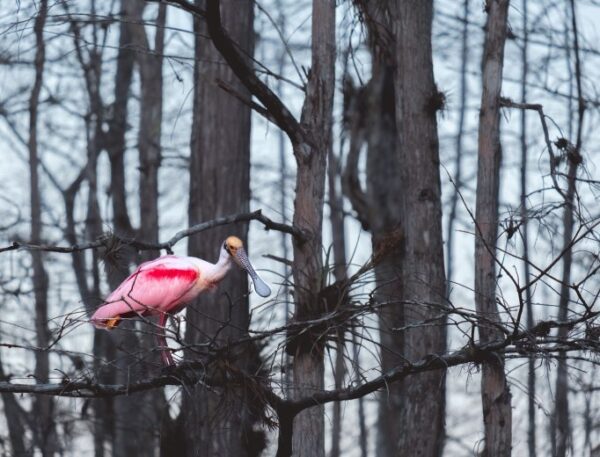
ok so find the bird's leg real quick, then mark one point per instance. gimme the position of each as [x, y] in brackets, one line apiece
[165, 352]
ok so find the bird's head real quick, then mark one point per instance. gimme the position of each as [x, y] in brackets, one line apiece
[235, 248]
[232, 245]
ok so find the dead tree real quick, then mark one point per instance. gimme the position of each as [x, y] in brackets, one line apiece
[311, 139]
[219, 423]
[150, 64]
[531, 384]
[130, 436]
[460, 150]
[421, 260]
[91, 67]
[338, 235]
[495, 394]
[16, 421]
[402, 208]
[561, 423]
[44, 430]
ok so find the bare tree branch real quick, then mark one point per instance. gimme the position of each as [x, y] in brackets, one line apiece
[508, 103]
[167, 245]
[285, 120]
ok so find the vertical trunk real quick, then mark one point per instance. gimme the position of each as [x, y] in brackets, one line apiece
[531, 419]
[283, 202]
[362, 440]
[403, 210]
[93, 230]
[382, 213]
[419, 263]
[92, 70]
[115, 138]
[338, 233]
[77, 258]
[496, 396]
[108, 414]
[15, 421]
[311, 140]
[459, 149]
[218, 424]
[131, 436]
[562, 426]
[317, 112]
[150, 65]
[43, 407]
[561, 422]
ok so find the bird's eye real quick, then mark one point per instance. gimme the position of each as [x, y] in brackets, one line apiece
[225, 246]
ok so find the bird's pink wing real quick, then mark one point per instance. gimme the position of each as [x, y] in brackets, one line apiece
[163, 285]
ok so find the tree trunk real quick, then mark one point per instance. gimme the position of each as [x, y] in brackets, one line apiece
[317, 116]
[402, 208]
[150, 63]
[561, 421]
[283, 204]
[496, 398]
[338, 234]
[311, 139]
[16, 421]
[531, 419]
[91, 66]
[362, 440]
[420, 258]
[130, 435]
[218, 424]
[43, 406]
[459, 150]
[115, 138]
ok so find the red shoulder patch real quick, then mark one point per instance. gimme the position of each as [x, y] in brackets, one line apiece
[172, 273]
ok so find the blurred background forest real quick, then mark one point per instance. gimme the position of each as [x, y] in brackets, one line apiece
[417, 180]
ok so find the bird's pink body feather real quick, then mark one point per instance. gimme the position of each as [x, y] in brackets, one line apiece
[162, 286]
[166, 285]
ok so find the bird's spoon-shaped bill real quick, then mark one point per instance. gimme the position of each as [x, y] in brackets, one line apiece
[259, 285]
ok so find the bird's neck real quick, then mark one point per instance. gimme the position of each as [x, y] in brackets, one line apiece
[220, 269]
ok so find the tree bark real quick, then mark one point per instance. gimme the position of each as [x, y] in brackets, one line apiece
[311, 139]
[219, 424]
[91, 66]
[420, 261]
[92, 72]
[317, 116]
[150, 66]
[338, 234]
[560, 420]
[402, 208]
[115, 138]
[130, 435]
[150, 63]
[452, 214]
[496, 397]
[16, 420]
[283, 204]
[43, 407]
[375, 209]
[531, 385]
[561, 423]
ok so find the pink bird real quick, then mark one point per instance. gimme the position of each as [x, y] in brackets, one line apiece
[166, 285]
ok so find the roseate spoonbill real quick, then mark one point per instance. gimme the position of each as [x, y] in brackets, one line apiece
[166, 285]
